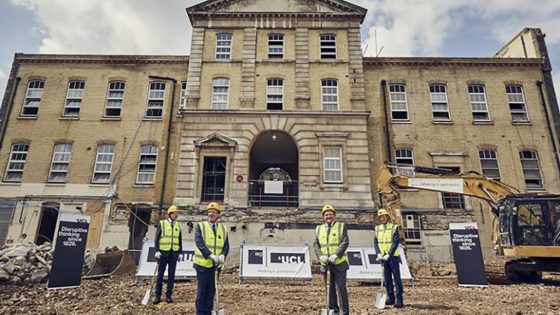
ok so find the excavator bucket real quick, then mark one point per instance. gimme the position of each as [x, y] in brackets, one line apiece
[115, 263]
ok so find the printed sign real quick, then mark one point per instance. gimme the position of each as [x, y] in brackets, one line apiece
[438, 184]
[148, 262]
[68, 259]
[273, 187]
[275, 262]
[467, 254]
[364, 265]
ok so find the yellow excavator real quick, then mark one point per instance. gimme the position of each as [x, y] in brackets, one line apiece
[528, 230]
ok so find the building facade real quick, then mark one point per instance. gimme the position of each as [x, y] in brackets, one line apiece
[273, 114]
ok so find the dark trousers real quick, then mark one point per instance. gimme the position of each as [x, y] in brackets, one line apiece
[391, 270]
[338, 282]
[168, 259]
[206, 289]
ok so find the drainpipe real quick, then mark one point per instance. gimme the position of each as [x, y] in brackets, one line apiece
[168, 140]
[387, 130]
[8, 102]
[548, 125]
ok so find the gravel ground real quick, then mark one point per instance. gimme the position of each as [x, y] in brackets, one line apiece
[434, 292]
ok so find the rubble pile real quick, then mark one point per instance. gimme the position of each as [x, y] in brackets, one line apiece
[28, 263]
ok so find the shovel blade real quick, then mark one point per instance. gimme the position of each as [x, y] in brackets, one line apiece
[218, 312]
[146, 299]
[380, 299]
[325, 311]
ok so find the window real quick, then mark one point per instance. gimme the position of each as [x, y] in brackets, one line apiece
[412, 229]
[438, 97]
[332, 164]
[103, 163]
[74, 98]
[404, 157]
[477, 97]
[531, 169]
[33, 98]
[220, 87]
[399, 106]
[276, 46]
[329, 94]
[16, 163]
[156, 96]
[214, 179]
[453, 201]
[223, 46]
[274, 94]
[183, 100]
[115, 96]
[489, 164]
[516, 101]
[60, 162]
[328, 46]
[147, 164]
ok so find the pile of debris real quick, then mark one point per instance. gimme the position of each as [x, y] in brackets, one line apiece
[29, 263]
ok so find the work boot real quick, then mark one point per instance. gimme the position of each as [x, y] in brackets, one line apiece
[157, 300]
[399, 304]
[389, 302]
[168, 300]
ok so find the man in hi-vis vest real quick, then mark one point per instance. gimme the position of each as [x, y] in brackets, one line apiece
[212, 247]
[331, 242]
[386, 243]
[169, 249]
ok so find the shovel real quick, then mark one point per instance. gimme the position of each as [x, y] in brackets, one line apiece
[381, 296]
[217, 310]
[148, 294]
[327, 285]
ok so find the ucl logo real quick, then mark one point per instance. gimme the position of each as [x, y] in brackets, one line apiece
[287, 258]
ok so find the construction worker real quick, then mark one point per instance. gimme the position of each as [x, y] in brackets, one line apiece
[331, 242]
[212, 247]
[386, 242]
[169, 249]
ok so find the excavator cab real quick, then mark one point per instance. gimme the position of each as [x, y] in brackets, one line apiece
[530, 220]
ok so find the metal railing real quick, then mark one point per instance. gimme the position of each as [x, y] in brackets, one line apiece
[259, 198]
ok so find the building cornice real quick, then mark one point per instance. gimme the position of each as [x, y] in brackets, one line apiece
[453, 61]
[100, 59]
[198, 17]
[206, 112]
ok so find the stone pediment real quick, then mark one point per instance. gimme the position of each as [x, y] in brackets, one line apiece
[277, 6]
[215, 140]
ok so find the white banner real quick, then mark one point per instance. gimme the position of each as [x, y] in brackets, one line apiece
[438, 184]
[148, 262]
[273, 187]
[364, 265]
[291, 262]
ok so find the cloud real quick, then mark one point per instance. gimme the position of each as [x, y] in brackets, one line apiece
[108, 26]
[413, 27]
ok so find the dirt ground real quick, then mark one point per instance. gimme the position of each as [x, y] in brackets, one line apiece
[435, 291]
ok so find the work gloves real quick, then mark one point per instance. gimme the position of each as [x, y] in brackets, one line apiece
[222, 259]
[332, 258]
[386, 258]
[158, 255]
[215, 259]
[324, 260]
[379, 257]
[180, 257]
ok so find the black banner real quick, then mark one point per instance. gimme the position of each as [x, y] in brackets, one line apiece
[68, 259]
[467, 254]
[287, 258]
[256, 257]
[354, 258]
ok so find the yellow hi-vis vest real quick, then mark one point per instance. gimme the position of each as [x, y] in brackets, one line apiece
[384, 234]
[329, 242]
[214, 242]
[169, 238]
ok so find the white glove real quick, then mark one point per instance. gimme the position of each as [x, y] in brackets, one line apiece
[324, 259]
[386, 257]
[222, 259]
[332, 258]
[379, 257]
[158, 254]
[215, 259]
[180, 257]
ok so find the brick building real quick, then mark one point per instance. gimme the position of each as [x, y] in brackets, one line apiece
[273, 114]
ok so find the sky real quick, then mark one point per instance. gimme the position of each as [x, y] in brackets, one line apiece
[440, 28]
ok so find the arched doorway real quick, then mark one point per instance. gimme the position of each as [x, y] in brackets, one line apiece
[273, 171]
